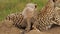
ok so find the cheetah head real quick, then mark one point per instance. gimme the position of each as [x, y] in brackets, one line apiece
[57, 5]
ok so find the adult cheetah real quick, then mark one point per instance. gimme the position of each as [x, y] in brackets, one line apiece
[48, 16]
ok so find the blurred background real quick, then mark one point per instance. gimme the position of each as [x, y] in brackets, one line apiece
[13, 6]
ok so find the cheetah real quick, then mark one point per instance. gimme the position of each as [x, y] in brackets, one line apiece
[24, 20]
[48, 16]
[57, 6]
[29, 13]
[17, 19]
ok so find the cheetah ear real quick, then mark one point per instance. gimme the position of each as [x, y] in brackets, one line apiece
[54, 0]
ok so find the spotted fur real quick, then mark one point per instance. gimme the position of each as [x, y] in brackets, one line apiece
[44, 20]
[17, 18]
[47, 17]
[25, 19]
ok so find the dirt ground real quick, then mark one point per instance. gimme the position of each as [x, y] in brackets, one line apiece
[8, 28]
[55, 30]
[15, 30]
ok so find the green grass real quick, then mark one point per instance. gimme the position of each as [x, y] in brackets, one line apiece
[13, 6]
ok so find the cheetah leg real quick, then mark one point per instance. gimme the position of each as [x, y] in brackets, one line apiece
[27, 29]
[57, 19]
[28, 25]
[34, 25]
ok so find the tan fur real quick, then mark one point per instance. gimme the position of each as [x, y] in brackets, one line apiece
[17, 19]
[57, 6]
[28, 13]
[47, 17]
[23, 20]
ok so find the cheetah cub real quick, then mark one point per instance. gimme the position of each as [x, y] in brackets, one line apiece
[28, 13]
